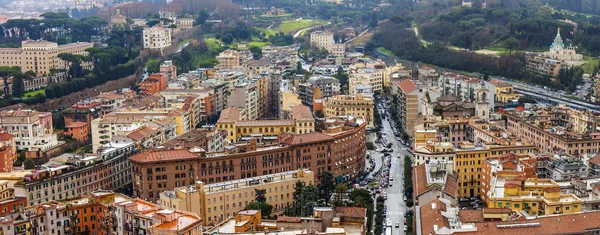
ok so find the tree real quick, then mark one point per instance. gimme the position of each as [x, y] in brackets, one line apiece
[18, 86]
[6, 73]
[173, 26]
[152, 23]
[326, 186]
[29, 164]
[511, 43]
[260, 195]
[256, 52]
[340, 190]
[265, 208]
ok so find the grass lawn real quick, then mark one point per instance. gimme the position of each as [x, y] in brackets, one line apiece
[591, 64]
[385, 51]
[183, 42]
[33, 93]
[213, 43]
[259, 44]
[291, 26]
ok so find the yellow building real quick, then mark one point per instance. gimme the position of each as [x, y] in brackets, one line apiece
[228, 59]
[467, 163]
[217, 202]
[343, 105]
[40, 56]
[181, 117]
[289, 99]
[504, 92]
[534, 196]
[301, 121]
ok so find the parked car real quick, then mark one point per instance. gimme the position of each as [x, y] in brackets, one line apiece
[463, 199]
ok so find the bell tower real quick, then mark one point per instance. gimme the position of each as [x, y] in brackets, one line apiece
[482, 106]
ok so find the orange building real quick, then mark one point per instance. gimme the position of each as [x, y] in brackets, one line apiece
[12, 205]
[80, 131]
[8, 152]
[153, 84]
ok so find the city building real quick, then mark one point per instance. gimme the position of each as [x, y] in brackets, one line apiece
[69, 176]
[301, 121]
[28, 58]
[594, 166]
[318, 87]
[321, 39]
[153, 84]
[343, 105]
[504, 93]
[341, 151]
[183, 24]
[337, 50]
[559, 52]
[8, 152]
[228, 59]
[451, 106]
[557, 130]
[156, 38]
[409, 97]
[111, 125]
[169, 70]
[100, 212]
[207, 140]
[434, 180]
[79, 131]
[32, 130]
[511, 183]
[217, 202]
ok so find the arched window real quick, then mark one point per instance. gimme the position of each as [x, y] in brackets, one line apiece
[244, 130]
[272, 130]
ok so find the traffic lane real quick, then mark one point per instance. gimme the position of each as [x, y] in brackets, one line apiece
[395, 203]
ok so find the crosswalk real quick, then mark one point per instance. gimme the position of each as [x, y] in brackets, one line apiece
[395, 213]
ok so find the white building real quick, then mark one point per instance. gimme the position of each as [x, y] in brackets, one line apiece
[559, 52]
[157, 38]
[32, 129]
[321, 39]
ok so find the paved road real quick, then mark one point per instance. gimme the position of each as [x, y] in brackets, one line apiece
[395, 203]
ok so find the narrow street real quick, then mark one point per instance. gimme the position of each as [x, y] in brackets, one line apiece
[395, 204]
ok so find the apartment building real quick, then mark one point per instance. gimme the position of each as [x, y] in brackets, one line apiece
[301, 121]
[504, 92]
[206, 140]
[153, 84]
[367, 76]
[217, 202]
[427, 147]
[409, 96]
[466, 87]
[321, 39]
[228, 59]
[32, 130]
[107, 170]
[434, 180]
[512, 183]
[254, 68]
[156, 38]
[557, 132]
[40, 56]
[337, 50]
[318, 87]
[169, 70]
[106, 128]
[8, 152]
[341, 152]
[103, 213]
[343, 105]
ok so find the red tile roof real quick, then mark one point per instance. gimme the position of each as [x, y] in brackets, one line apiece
[302, 113]
[354, 212]
[420, 180]
[470, 216]
[595, 160]
[451, 186]
[308, 138]
[140, 133]
[156, 155]
[431, 217]
[229, 115]
[289, 219]
[6, 136]
[407, 86]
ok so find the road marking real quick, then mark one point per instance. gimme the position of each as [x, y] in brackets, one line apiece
[395, 213]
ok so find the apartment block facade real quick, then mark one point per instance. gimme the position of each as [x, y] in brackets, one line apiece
[40, 56]
[156, 38]
[32, 130]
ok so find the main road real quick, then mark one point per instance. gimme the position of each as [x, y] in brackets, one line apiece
[395, 204]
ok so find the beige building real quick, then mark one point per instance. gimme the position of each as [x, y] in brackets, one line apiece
[409, 97]
[184, 24]
[228, 59]
[32, 130]
[217, 202]
[156, 38]
[321, 39]
[40, 56]
[288, 100]
[337, 50]
[343, 105]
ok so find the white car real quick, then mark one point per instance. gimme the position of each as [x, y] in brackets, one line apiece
[391, 178]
